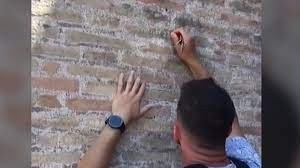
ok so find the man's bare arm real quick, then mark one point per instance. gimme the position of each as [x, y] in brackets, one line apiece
[185, 49]
[100, 154]
[126, 104]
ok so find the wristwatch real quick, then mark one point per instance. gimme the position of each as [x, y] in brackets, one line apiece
[115, 122]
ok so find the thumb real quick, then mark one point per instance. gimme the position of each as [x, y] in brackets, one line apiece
[174, 37]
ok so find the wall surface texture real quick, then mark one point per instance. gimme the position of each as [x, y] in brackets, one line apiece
[80, 46]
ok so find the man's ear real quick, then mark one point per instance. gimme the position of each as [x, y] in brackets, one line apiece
[176, 132]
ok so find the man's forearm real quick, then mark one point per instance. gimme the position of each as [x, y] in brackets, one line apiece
[198, 70]
[100, 154]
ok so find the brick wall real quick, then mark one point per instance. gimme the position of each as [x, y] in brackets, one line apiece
[79, 48]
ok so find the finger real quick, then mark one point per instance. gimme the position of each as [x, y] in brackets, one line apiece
[141, 91]
[136, 85]
[120, 83]
[129, 82]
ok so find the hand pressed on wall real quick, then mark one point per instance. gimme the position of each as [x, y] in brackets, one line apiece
[127, 99]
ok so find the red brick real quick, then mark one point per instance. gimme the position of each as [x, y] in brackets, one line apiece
[99, 58]
[61, 122]
[84, 105]
[82, 37]
[51, 68]
[158, 49]
[49, 101]
[141, 61]
[56, 50]
[98, 72]
[165, 4]
[97, 88]
[55, 84]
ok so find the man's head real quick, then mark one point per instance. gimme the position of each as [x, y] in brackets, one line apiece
[205, 113]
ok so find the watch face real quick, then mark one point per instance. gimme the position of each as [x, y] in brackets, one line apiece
[115, 121]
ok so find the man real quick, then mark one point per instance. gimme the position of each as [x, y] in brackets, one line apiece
[206, 129]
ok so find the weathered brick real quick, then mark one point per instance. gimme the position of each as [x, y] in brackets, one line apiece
[203, 42]
[148, 141]
[49, 101]
[150, 125]
[51, 68]
[140, 61]
[44, 28]
[238, 20]
[100, 58]
[66, 15]
[98, 72]
[53, 139]
[158, 49]
[55, 84]
[156, 78]
[95, 4]
[105, 21]
[239, 48]
[187, 20]
[148, 33]
[125, 9]
[154, 15]
[161, 95]
[56, 13]
[241, 34]
[243, 6]
[159, 112]
[82, 37]
[158, 141]
[51, 32]
[61, 122]
[213, 29]
[62, 157]
[167, 4]
[215, 2]
[99, 88]
[56, 50]
[202, 13]
[85, 105]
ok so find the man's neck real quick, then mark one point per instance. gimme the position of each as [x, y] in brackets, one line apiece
[192, 154]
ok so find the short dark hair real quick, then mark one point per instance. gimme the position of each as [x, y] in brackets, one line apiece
[206, 111]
